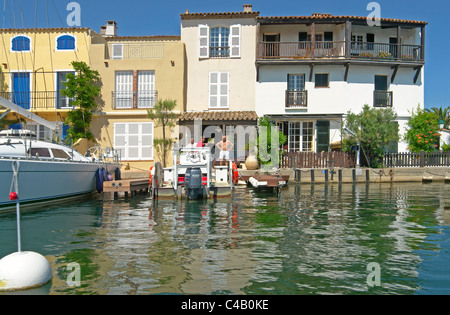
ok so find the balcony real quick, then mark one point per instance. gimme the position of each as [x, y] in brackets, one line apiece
[219, 52]
[134, 100]
[296, 99]
[340, 50]
[382, 99]
[301, 50]
[39, 100]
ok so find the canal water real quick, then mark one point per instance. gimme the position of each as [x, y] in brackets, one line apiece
[312, 239]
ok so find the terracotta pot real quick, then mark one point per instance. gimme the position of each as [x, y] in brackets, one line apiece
[252, 163]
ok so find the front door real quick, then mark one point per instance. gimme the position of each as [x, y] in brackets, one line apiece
[21, 89]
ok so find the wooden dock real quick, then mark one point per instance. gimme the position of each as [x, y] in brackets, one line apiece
[127, 186]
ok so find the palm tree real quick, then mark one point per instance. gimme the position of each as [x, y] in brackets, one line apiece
[441, 113]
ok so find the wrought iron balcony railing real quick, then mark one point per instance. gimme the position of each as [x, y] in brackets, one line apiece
[39, 100]
[297, 98]
[134, 99]
[383, 99]
[339, 50]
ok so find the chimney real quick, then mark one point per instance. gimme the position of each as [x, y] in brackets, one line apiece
[248, 8]
[110, 29]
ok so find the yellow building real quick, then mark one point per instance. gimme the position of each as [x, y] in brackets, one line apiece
[34, 64]
[136, 72]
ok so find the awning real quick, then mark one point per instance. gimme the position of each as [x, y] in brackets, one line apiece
[223, 115]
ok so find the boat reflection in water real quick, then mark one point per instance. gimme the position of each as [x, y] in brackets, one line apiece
[311, 239]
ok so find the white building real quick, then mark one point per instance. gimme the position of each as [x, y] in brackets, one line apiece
[221, 72]
[312, 70]
[304, 72]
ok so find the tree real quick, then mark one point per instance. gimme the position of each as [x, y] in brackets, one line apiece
[376, 130]
[423, 133]
[83, 88]
[264, 154]
[441, 113]
[163, 116]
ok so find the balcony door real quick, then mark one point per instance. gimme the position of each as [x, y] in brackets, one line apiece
[381, 94]
[296, 90]
[124, 89]
[271, 45]
[146, 89]
[21, 89]
[62, 101]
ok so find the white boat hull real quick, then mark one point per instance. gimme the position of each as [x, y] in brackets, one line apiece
[46, 180]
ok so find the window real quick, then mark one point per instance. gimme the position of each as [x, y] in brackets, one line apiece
[301, 136]
[117, 51]
[134, 140]
[296, 82]
[60, 154]
[220, 41]
[357, 41]
[146, 94]
[322, 80]
[218, 89]
[65, 42]
[126, 96]
[62, 101]
[219, 46]
[296, 94]
[124, 90]
[40, 152]
[20, 43]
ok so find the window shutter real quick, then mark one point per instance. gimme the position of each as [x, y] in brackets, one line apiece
[203, 41]
[224, 86]
[213, 89]
[117, 51]
[235, 41]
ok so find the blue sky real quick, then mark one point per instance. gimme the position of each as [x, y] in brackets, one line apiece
[137, 17]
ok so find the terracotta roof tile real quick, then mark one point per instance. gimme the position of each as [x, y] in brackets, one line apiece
[321, 16]
[223, 115]
[218, 15]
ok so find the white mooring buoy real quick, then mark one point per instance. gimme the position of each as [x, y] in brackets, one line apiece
[22, 270]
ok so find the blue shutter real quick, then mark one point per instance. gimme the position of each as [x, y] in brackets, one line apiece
[21, 43]
[66, 42]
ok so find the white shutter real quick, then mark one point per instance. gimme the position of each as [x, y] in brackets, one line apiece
[223, 89]
[120, 140]
[213, 89]
[124, 89]
[203, 41]
[147, 141]
[235, 41]
[117, 51]
[146, 89]
[134, 140]
[218, 89]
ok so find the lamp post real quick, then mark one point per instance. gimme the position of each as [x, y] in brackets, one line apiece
[359, 146]
[441, 123]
